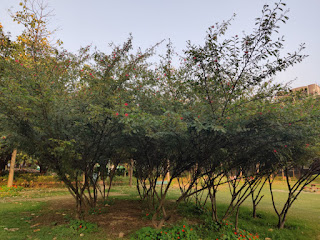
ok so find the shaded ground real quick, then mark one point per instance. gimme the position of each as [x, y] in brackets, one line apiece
[126, 214]
[122, 216]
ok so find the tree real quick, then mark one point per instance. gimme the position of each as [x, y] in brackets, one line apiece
[216, 115]
[299, 151]
[65, 107]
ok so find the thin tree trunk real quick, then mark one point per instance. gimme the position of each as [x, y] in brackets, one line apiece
[12, 164]
[43, 169]
[293, 176]
[79, 215]
[254, 206]
[237, 219]
[281, 221]
[131, 173]
[111, 175]
[168, 172]
[103, 173]
[213, 204]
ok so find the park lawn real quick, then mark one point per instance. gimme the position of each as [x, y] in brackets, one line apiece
[33, 193]
[17, 221]
[303, 218]
[15, 218]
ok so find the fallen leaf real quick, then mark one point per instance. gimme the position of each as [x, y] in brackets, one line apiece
[11, 229]
[37, 224]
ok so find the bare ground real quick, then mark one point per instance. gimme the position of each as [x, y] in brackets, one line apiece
[123, 216]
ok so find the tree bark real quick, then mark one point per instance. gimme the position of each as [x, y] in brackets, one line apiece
[293, 176]
[43, 169]
[168, 172]
[254, 211]
[281, 222]
[237, 219]
[12, 164]
[131, 173]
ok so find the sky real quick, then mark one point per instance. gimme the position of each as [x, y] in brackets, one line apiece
[99, 22]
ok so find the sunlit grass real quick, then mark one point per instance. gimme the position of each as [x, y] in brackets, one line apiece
[303, 219]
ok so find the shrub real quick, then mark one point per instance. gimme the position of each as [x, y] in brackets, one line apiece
[10, 191]
[223, 231]
[182, 231]
[97, 211]
[83, 226]
[33, 179]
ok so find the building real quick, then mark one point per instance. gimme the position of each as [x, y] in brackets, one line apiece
[312, 89]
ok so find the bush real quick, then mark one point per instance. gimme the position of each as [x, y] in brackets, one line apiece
[182, 231]
[83, 226]
[97, 211]
[33, 179]
[10, 191]
[224, 231]
[210, 229]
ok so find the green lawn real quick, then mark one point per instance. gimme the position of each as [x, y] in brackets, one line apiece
[303, 219]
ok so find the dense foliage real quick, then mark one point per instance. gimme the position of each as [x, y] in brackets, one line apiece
[217, 118]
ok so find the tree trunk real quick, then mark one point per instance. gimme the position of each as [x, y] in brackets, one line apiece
[3, 164]
[168, 170]
[111, 175]
[79, 215]
[281, 222]
[254, 211]
[293, 176]
[12, 164]
[213, 204]
[103, 177]
[299, 173]
[43, 169]
[131, 173]
[237, 219]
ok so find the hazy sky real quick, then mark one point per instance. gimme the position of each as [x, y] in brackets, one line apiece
[99, 22]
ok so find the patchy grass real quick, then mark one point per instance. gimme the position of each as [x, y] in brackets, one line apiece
[15, 219]
[49, 214]
[19, 193]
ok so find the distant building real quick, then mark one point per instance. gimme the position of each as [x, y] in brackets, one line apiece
[312, 89]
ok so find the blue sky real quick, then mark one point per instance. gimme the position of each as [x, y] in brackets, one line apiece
[99, 22]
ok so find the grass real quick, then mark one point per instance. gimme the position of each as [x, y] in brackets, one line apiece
[33, 193]
[17, 216]
[303, 219]
[44, 192]
[16, 220]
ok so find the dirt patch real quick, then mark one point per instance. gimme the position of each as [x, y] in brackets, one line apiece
[126, 216]
[122, 216]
